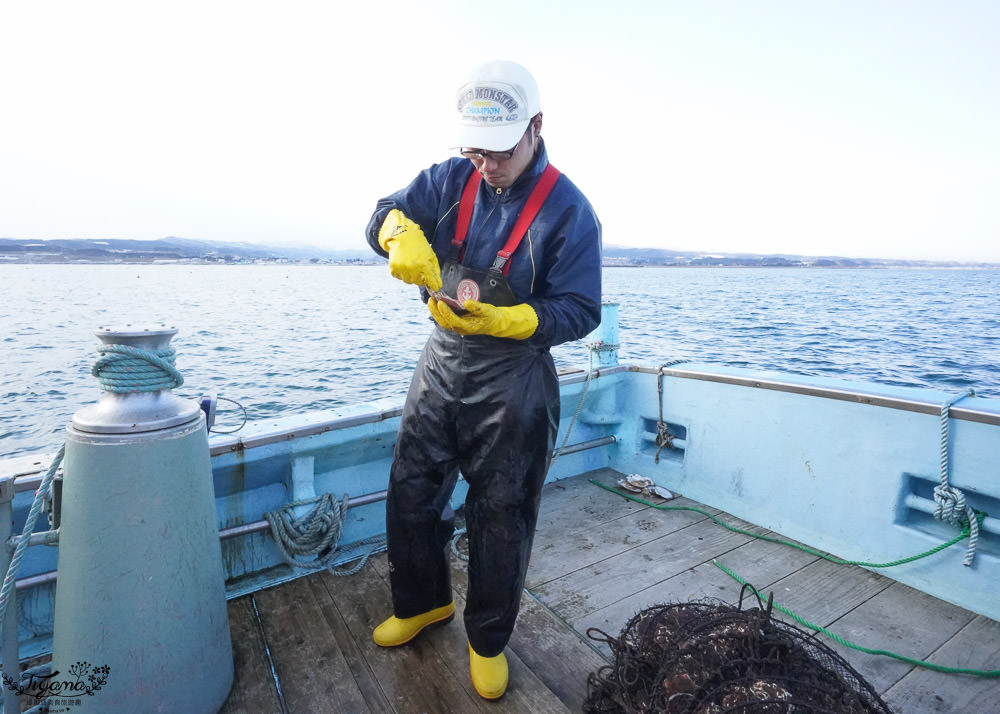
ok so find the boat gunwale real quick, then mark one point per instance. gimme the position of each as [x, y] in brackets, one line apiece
[857, 396]
[812, 390]
[29, 479]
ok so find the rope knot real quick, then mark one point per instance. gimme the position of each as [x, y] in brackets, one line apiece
[663, 436]
[949, 504]
[663, 439]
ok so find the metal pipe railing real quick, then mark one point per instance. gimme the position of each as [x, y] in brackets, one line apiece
[263, 525]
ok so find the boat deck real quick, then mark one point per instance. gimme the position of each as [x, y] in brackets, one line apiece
[305, 646]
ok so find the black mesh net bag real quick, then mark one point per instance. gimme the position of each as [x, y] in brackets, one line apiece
[708, 657]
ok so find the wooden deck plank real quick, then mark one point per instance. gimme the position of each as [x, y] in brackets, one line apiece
[557, 554]
[557, 655]
[613, 578]
[976, 646]
[253, 687]
[332, 592]
[525, 692]
[822, 591]
[550, 649]
[311, 667]
[420, 676]
[886, 623]
[756, 561]
[762, 563]
[575, 504]
[528, 691]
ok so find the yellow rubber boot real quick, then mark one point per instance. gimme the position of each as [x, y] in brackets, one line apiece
[489, 674]
[398, 631]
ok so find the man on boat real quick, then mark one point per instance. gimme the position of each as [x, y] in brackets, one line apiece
[520, 248]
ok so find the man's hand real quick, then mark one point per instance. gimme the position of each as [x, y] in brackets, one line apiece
[411, 258]
[518, 322]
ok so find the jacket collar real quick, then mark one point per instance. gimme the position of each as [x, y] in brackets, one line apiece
[527, 180]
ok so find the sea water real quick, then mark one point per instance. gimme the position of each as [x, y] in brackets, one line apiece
[282, 339]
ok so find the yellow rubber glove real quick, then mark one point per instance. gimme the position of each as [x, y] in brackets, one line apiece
[411, 258]
[518, 322]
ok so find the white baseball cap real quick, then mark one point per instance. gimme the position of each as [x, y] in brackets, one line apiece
[495, 104]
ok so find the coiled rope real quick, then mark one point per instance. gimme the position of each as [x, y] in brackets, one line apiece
[455, 547]
[949, 502]
[315, 535]
[126, 369]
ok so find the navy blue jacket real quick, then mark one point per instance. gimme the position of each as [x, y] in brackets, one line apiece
[557, 267]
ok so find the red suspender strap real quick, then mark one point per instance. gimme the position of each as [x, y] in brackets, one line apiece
[531, 208]
[466, 206]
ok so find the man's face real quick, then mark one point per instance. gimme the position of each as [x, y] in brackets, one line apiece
[501, 172]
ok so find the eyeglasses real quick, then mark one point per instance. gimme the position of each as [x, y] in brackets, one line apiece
[480, 155]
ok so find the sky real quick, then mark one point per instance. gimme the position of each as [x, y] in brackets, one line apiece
[859, 128]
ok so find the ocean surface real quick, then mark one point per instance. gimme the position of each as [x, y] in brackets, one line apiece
[281, 339]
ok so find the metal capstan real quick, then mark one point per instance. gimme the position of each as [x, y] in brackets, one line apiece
[140, 596]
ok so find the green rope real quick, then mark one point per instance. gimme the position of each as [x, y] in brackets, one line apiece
[886, 653]
[806, 549]
[838, 561]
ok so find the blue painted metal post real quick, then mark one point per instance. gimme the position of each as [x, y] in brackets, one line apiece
[604, 340]
[303, 483]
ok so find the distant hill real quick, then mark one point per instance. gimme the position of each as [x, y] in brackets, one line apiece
[172, 249]
[615, 255]
[165, 249]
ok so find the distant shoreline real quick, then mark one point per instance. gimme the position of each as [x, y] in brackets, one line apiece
[377, 262]
[182, 251]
